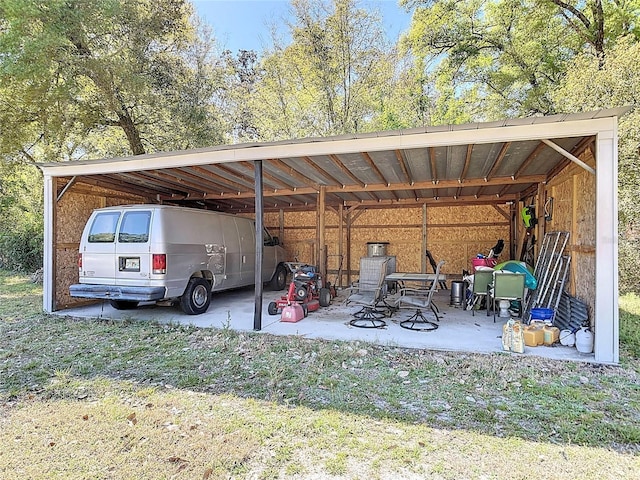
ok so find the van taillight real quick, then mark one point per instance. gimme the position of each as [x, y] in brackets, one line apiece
[79, 261]
[159, 262]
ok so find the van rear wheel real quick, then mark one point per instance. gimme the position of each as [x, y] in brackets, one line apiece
[123, 304]
[196, 297]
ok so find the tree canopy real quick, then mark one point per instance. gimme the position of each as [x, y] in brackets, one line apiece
[83, 78]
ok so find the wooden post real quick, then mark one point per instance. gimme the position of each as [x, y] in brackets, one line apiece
[423, 262]
[320, 247]
[348, 259]
[281, 225]
[541, 225]
[340, 243]
[513, 236]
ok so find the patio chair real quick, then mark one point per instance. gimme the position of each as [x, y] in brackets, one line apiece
[422, 299]
[369, 292]
[506, 286]
[481, 281]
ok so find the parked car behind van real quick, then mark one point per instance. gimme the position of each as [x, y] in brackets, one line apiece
[139, 253]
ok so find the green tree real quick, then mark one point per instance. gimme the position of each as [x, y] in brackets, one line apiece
[21, 231]
[82, 78]
[505, 57]
[591, 84]
[329, 79]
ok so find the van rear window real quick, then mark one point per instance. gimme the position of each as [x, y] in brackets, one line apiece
[135, 227]
[103, 228]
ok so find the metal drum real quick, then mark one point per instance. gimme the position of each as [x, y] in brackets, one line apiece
[457, 294]
[377, 249]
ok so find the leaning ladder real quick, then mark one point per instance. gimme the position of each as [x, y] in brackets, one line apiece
[551, 270]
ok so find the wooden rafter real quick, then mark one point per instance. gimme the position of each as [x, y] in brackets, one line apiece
[209, 176]
[374, 167]
[498, 160]
[292, 172]
[403, 166]
[527, 161]
[345, 170]
[268, 176]
[321, 171]
[144, 180]
[467, 162]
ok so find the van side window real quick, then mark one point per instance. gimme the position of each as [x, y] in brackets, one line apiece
[135, 227]
[103, 228]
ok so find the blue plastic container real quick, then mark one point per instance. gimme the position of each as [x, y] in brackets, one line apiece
[541, 314]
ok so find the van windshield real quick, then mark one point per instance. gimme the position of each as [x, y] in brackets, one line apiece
[135, 227]
[103, 228]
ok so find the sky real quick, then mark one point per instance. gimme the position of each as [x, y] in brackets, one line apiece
[242, 24]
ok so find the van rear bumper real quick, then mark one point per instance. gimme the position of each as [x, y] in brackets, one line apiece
[116, 292]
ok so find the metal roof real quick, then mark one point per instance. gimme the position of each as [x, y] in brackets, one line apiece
[472, 163]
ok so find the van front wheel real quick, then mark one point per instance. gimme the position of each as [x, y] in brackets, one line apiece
[279, 279]
[196, 297]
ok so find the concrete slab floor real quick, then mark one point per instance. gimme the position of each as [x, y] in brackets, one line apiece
[458, 329]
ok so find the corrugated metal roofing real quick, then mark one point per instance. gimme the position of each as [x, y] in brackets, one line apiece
[472, 163]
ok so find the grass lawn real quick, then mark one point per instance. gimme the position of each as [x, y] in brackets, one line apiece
[139, 400]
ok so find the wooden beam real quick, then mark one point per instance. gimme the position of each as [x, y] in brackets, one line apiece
[336, 160]
[403, 166]
[321, 171]
[292, 172]
[466, 200]
[502, 212]
[374, 167]
[340, 242]
[209, 176]
[170, 183]
[467, 162]
[396, 186]
[527, 161]
[498, 160]
[268, 176]
[321, 233]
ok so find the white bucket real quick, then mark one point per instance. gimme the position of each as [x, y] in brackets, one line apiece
[584, 340]
[567, 338]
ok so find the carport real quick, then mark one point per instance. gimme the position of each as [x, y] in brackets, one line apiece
[432, 187]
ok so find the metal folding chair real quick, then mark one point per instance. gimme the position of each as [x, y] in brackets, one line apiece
[422, 299]
[369, 292]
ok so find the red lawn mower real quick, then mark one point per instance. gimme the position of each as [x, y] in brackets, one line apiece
[306, 294]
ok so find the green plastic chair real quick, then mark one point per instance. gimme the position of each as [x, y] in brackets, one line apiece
[506, 286]
[481, 281]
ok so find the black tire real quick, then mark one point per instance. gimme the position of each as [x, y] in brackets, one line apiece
[305, 310]
[272, 308]
[196, 297]
[123, 304]
[325, 297]
[279, 279]
[301, 293]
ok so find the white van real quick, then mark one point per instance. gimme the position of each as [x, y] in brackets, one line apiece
[139, 253]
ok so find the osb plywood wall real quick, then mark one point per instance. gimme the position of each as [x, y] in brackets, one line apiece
[453, 234]
[72, 212]
[574, 204]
